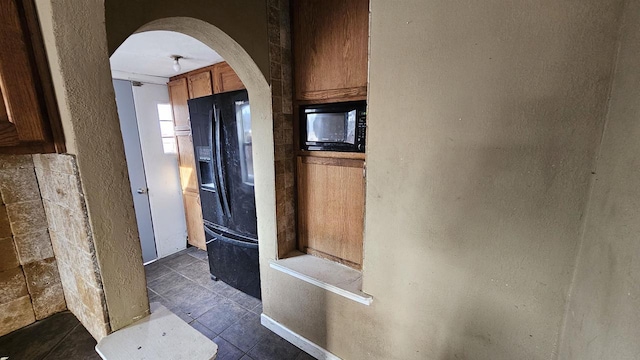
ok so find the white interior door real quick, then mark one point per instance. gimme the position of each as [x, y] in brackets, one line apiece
[137, 178]
[158, 144]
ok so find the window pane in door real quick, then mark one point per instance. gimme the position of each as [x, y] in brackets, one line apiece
[166, 128]
[164, 112]
[169, 145]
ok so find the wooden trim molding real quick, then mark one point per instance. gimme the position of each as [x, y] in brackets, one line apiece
[347, 94]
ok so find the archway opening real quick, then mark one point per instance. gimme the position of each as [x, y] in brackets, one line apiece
[84, 86]
[145, 80]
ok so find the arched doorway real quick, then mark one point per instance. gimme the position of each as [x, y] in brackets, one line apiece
[78, 54]
[260, 95]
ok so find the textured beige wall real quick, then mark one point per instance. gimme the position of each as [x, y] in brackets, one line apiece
[484, 119]
[484, 122]
[243, 20]
[76, 45]
[604, 312]
[76, 42]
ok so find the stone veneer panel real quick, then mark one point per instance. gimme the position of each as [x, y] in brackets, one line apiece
[5, 227]
[8, 256]
[30, 287]
[45, 287]
[282, 100]
[72, 240]
[16, 314]
[13, 285]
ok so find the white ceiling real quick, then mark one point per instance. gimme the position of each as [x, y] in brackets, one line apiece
[149, 53]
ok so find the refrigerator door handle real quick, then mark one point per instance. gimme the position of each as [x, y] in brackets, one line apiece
[223, 193]
[215, 172]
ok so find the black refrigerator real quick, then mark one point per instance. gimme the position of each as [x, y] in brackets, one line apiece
[221, 129]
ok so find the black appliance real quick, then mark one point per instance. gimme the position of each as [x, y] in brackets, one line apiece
[221, 130]
[334, 127]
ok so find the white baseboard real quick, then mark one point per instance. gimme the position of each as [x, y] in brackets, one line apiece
[297, 340]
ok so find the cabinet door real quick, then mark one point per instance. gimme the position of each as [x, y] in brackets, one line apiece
[23, 114]
[179, 95]
[225, 79]
[200, 84]
[195, 225]
[331, 208]
[330, 46]
[187, 160]
[190, 194]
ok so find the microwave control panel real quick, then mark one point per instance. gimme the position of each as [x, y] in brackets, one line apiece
[362, 130]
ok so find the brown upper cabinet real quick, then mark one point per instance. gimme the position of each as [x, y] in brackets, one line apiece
[330, 48]
[29, 120]
[200, 84]
[179, 95]
[225, 79]
[214, 79]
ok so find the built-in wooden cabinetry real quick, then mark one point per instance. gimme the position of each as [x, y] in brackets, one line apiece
[200, 84]
[331, 207]
[330, 47]
[330, 56]
[225, 79]
[29, 120]
[194, 84]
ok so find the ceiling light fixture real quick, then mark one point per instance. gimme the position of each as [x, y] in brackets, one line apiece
[176, 62]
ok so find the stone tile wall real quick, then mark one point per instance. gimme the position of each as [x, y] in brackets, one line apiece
[30, 286]
[72, 240]
[282, 101]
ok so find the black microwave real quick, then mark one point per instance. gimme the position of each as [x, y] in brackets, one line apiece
[334, 127]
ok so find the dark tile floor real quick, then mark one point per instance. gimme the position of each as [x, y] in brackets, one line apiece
[181, 282]
[58, 337]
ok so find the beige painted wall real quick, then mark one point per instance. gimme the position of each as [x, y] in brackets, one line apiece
[75, 40]
[243, 20]
[484, 119]
[76, 43]
[604, 313]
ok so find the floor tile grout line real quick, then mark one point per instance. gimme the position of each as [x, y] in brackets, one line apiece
[195, 283]
[61, 340]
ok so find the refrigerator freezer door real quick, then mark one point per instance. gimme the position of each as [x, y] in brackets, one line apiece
[233, 261]
[236, 160]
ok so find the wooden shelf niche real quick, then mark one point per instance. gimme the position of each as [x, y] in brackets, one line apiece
[331, 208]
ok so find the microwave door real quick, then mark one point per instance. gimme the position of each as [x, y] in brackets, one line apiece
[333, 127]
[326, 127]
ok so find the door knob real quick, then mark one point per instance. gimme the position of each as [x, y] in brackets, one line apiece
[141, 191]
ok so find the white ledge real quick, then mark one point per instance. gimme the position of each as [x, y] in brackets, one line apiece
[331, 276]
[161, 335]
